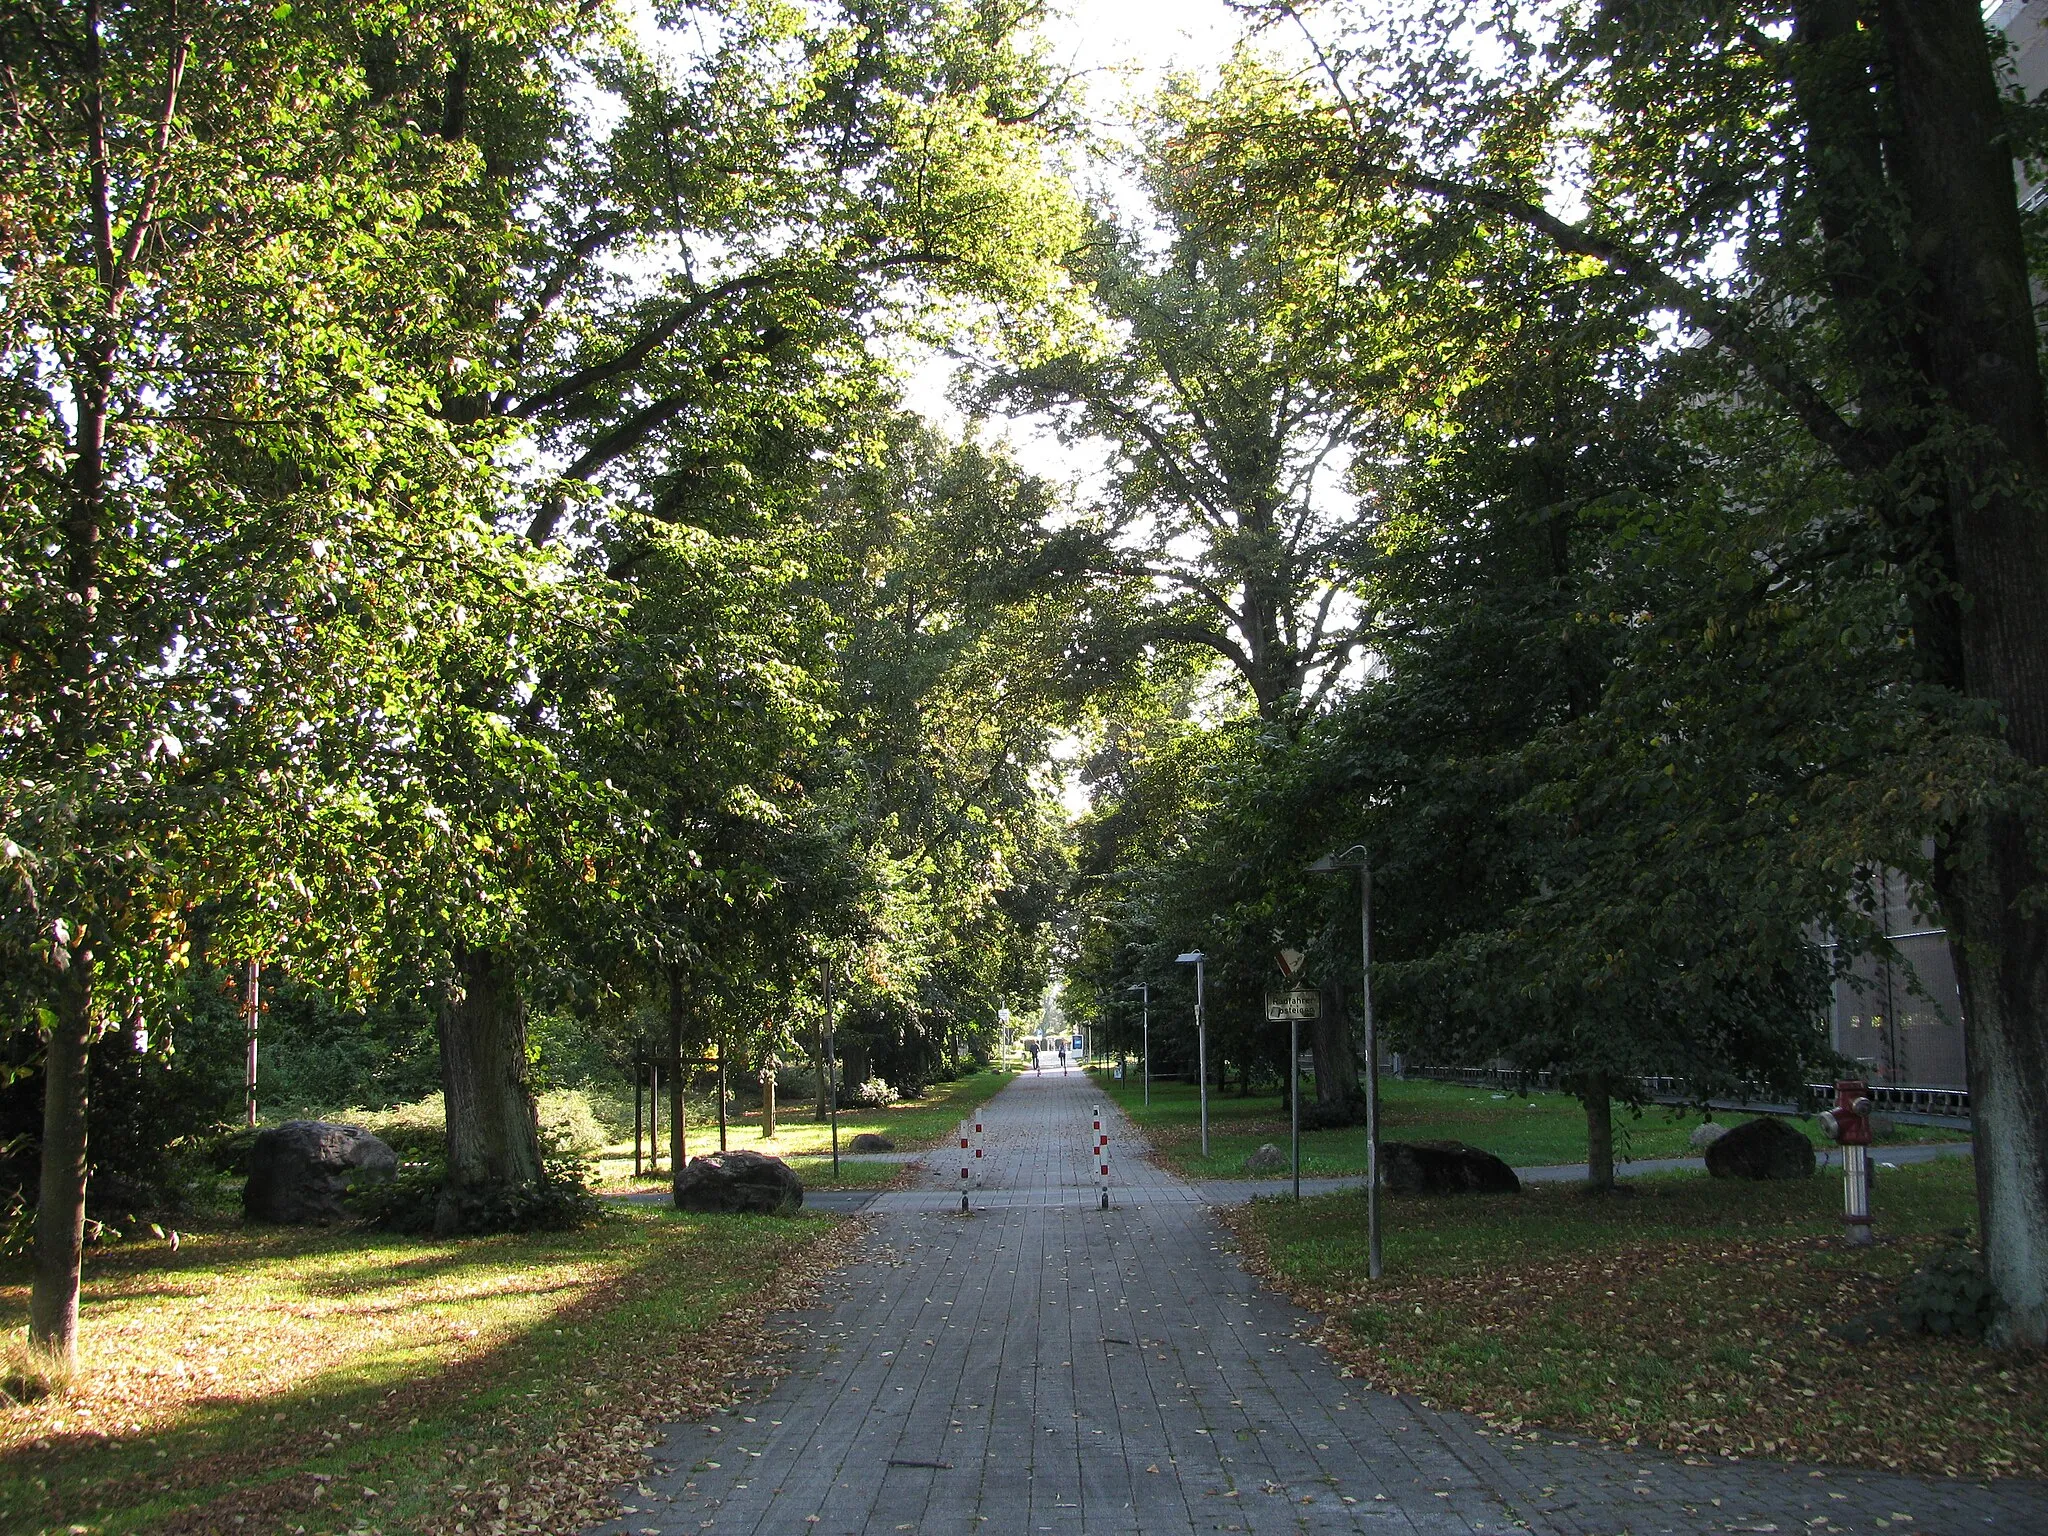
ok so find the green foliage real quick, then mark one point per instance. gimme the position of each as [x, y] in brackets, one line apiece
[872, 1094]
[280, 527]
[1223, 378]
[153, 1110]
[1948, 1295]
[418, 1131]
[317, 1052]
[418, 1200]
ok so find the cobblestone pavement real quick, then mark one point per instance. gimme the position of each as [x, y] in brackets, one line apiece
[1042, 1365]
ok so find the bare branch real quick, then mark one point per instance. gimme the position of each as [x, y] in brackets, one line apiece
[145, 213]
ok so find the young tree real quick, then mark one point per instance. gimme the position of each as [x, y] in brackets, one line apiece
[231, 488]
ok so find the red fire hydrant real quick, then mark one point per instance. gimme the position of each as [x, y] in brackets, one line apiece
[1848, 1125]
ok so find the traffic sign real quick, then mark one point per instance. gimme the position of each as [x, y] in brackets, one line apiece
[1295, 1003]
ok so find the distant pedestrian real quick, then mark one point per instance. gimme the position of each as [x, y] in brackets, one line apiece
[1063, 1061]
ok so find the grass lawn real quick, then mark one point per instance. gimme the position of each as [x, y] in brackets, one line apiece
[805, 1143]
[1687, 1315]
[1544, 1128]
[294, 1380]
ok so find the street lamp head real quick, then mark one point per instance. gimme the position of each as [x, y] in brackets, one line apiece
[1192, 957]
[1337, 863]
[1139, 986]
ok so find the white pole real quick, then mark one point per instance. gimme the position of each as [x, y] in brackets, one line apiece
[1148, 1045]
[1202, 1053]
[831, 1065]
[1294, 1093]
[1372, 1069]
[966, 1165]
[1856, 1194]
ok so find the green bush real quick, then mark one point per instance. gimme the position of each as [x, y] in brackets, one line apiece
[569, 1122]
[1949, 1294]
[560, 1201]
[872, 1094]
[417, 1132]
[611, 1104]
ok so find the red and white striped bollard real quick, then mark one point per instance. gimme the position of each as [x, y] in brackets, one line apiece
[1101, 1153]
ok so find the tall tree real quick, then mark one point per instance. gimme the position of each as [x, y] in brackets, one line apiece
[1858, 161]
[696, 291]
[1216, 389]
[231, 488]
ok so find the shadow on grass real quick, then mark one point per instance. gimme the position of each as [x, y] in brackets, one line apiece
[399, 1416]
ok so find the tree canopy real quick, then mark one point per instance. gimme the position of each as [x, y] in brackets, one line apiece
[464, 543]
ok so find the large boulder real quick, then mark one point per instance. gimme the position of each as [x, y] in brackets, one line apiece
[869, 1141]
[300, 1171]
[1268, 1159]
[1705, 1134]
[1444, 1168]
[739, 1183]
[1764, 1148]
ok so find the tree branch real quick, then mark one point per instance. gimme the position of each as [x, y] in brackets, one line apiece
[1209, 639]
[642, 346]
[145, 213]
[1699, 310]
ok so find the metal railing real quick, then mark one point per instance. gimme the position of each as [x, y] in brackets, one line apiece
[1896, 1098]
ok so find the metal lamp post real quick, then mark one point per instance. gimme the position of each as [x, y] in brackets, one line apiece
[1145, 1037]
[1197, 959]
[1330, 864]
[831, 1065]
[1294, 1095]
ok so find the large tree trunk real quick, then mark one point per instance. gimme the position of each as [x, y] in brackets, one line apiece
[1596, 1092]
[60, 1203]
[2001, 958]
[493, 1131]
[1329, 1042]
[1955, 165]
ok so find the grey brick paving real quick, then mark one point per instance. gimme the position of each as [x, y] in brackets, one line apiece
[1079, 1370]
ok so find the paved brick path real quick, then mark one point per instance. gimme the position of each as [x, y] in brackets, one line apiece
[1045, 1366]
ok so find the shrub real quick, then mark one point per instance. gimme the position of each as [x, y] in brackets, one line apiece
[1949, 1294]
[417, 1132]
[18, 1229]
[28, 1373]
[872, 1094]
[612, 1105]
[1318, 1116]
[794, 1083]
[560, 1201]
[569, 1122]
